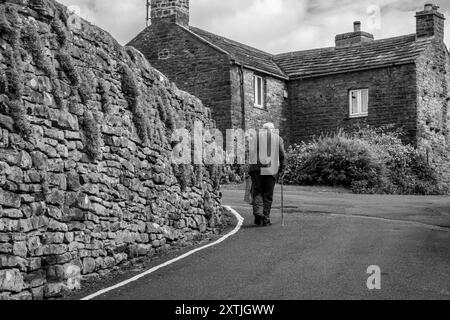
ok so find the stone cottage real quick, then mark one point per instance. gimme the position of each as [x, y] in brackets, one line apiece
[401, 80]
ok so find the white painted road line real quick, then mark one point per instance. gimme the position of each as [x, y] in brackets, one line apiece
[152, 270]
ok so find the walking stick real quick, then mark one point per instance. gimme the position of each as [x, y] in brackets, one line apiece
[282, 201]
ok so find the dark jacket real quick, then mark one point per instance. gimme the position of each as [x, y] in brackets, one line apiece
[281, 154]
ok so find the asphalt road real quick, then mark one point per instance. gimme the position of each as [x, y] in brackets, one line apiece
[323, 252]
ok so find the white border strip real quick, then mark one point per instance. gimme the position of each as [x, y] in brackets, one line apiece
[146, 273]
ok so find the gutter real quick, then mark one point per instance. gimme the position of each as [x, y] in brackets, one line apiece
[260, 71]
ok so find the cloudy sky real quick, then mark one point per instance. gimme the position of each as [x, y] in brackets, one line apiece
[272, 25]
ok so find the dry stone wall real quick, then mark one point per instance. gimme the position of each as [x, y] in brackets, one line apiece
[86, 181]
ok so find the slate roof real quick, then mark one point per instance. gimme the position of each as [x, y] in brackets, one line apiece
[241, 53]
[370, 55]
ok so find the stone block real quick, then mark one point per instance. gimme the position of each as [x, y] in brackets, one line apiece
[11, 280]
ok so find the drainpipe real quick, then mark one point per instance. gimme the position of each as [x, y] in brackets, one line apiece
[242, 87]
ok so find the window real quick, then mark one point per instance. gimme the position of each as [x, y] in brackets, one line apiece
[359, 103]
[258, 85]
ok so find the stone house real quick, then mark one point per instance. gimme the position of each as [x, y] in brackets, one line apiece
[401, 80]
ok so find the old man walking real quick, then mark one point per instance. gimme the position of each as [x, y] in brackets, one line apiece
[269, 155]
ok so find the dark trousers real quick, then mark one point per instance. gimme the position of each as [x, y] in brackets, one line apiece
[263, 189]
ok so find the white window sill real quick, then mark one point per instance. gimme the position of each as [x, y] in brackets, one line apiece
[354, 116]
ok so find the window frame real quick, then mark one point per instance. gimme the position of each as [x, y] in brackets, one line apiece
[261, 106]
[360, 107]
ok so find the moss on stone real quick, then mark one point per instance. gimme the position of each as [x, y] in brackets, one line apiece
[60, 31]
[198, 170]
[8, 31]
[33, 44]
[18, 113]
[14, 85]
[183, 173]
[165, 113]
[66, 63]
[215, 175]
[92, 134]
[105, 98]
[3, 82]
[84, 91]
[132, 93]
[57, 93]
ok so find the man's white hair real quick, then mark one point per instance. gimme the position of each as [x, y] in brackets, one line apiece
[269, 126]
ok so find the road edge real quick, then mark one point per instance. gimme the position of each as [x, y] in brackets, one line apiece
[240, 221]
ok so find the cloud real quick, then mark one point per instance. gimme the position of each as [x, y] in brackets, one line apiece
[271, 25]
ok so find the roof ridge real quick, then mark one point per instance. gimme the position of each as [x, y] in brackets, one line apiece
[242, 54]
[334, 48]
[205, 40]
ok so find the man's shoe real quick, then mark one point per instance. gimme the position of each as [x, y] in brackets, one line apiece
[258, 221]
[267, 223]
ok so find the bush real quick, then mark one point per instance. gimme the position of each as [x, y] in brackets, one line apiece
[367, 161]
[407, 171]
[340, 161]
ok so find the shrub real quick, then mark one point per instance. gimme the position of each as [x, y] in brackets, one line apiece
[339, 161]
[92, 134]
[406, 170]
[367, 161]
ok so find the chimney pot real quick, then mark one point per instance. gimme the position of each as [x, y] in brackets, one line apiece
[357, 26]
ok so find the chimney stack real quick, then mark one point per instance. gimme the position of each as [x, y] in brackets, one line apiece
[355, 38]
[430, 23]
[170, 11]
